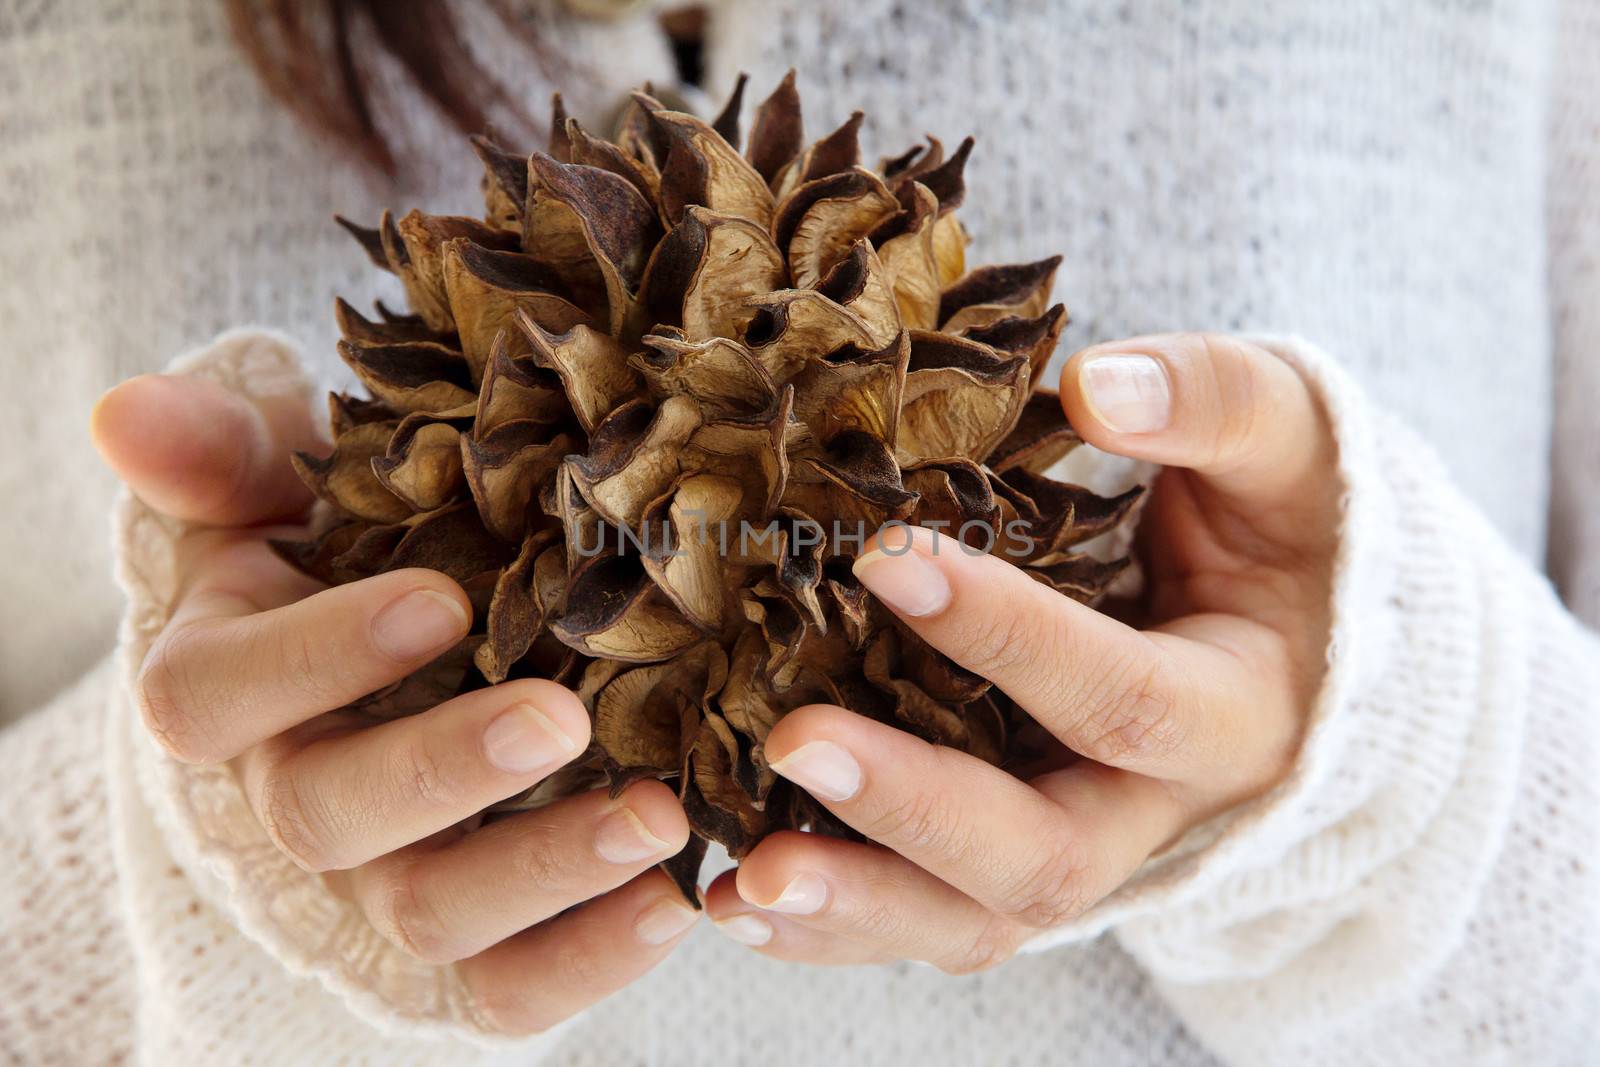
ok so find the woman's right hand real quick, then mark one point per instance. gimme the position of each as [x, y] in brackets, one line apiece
[257, 657]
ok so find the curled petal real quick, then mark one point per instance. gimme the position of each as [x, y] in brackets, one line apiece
[955, 499]
[345, 412]
[346, 478]
[683, 531]
[517, 609]
[856, 481]
[727, 121]
[961, 398]
[591, 365]
[516, 389]
[505, 184]
[415, 248]
[358, 329]
[412, 377]
[712, 799]
[485, 288]
[860, 284]
[1035, 338]
[991, 293]
[649, 717]
[705, 271]
[451, 540]
[422, 464]
[752, 449]
[777, 132]
[854, 390]
[702, 168]
[614, 611]
[594, 229]
[817, 224]
[506, 469]
[721, 376]
[1041, 437]
[839, 151]
[791, 328]
[633, 457]
[1064, 514]
[905, 245]
[317, 556]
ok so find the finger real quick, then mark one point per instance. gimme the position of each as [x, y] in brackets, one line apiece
[775, 935]
[536, 979]
[1227, 409]
[446, 901]
[359, 792]
[875, 900]
[198, 451]
[1014, 848]
[223, 676]
[1154, 702]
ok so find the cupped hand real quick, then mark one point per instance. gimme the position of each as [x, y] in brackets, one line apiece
[1197, 712]
[256, 659]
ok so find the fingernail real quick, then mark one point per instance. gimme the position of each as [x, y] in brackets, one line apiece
[823, 769]
[749, 930]
[1128, 393]
[523, 739]
[622, 838]
[419, 623]
[902, 577]
[804, 895]
[663, 921]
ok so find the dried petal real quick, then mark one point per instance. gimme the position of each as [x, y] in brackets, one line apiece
[817, 224]
[991, 293]
[777, 133]
[346, 478]
[961, 398]
[592, 366]
[616, 612]
[485, 288]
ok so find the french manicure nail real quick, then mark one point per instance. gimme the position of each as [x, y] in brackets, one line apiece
[663, 921]
[804, 895]
[623, 838]
[522, 739]
[421, 622]
[1129, 393]
[901, 576]
[823, 769]
[749, 930]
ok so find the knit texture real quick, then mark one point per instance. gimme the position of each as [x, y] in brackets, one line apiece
[1369, 174]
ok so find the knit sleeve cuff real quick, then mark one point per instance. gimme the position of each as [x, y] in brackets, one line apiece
[1391, 731]
[202, 811]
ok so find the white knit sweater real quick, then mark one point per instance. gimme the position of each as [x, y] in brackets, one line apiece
[1377, 176]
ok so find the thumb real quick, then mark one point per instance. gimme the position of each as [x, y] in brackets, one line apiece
[1226, 409]
[200, 452]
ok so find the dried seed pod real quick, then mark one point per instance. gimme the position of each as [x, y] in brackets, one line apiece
[645, 409]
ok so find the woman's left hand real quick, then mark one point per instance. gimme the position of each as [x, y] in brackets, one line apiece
[1198, 712]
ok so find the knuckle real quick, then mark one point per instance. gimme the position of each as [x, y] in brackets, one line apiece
[918, 822]
[301, 655]
[996, 644]
[538, 861]
[406, 920]
[427, 779]
[503, 1008]
[1055, 892]
[993, 944]
[1133, 717]
[1237, 376]
[172, 711]
[286, 818]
